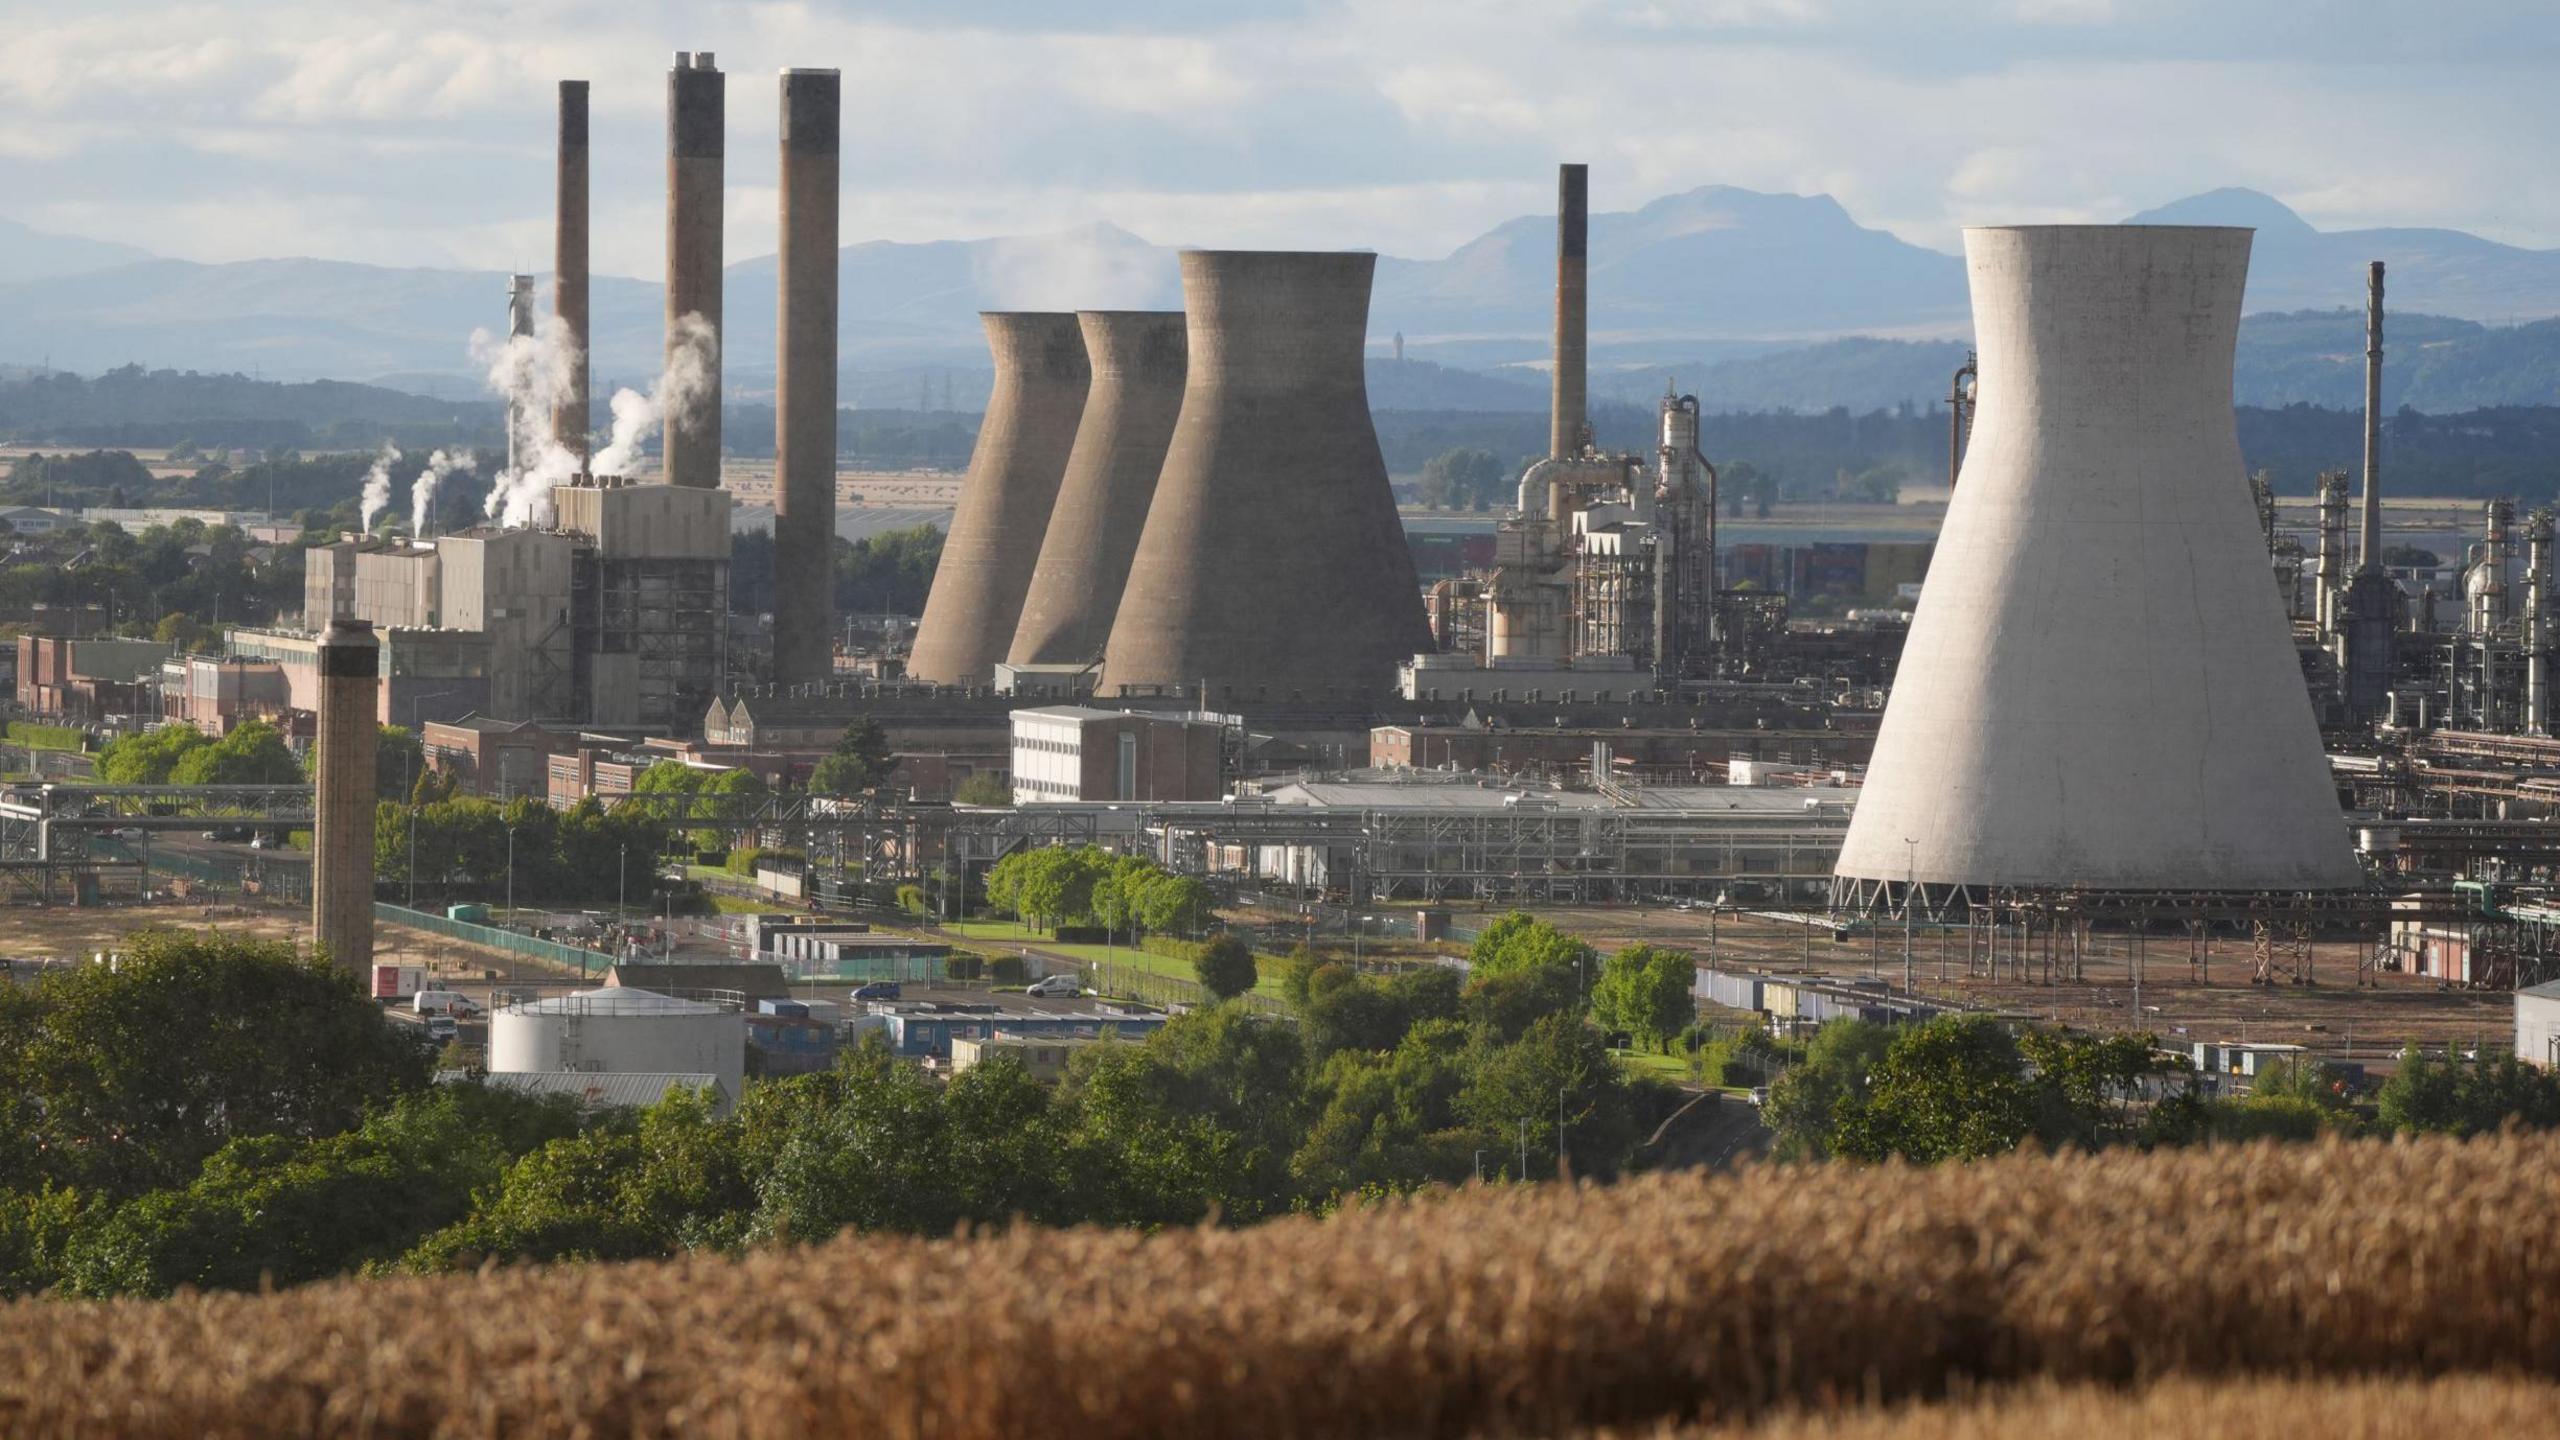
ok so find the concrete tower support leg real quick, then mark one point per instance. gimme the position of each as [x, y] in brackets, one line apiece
[804, 425]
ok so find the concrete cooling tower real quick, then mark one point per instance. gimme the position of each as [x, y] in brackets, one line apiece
[1023, 443]
[1272, 560]
[1111, 475]
[2100, 689]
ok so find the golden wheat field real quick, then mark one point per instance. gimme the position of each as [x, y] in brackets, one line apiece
[1543, 1310]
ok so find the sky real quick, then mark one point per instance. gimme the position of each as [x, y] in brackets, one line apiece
[410, 133]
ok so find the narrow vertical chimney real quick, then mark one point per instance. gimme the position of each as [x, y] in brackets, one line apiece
[2369, 550]
[569, 267]
[697, 131]
[804, 422]
[342, 798]
[1573, 237]
[520, 426]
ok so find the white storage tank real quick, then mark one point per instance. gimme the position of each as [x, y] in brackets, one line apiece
[621, 1031]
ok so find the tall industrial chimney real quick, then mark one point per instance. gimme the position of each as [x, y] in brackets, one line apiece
[343, 795]
[1137, 358]
[697, 127]
[2099, 688]
[569, 267]
[1272, 559]
[2369, 540]
[1023, 443]
[804, 421]
[520, 325]
[1567, 409]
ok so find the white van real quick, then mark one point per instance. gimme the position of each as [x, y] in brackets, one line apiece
[445, 1002]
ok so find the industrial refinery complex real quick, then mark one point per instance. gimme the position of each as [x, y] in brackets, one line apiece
[1179, 614]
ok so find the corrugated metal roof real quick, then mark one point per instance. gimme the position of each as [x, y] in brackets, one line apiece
[598, 1090]
[614, 1000]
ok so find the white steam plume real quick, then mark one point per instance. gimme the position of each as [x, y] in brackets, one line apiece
[422, 496]
[680, 392]
[377, 486]
[532, 373]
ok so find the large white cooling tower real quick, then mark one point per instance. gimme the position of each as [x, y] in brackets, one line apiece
[2099, 688]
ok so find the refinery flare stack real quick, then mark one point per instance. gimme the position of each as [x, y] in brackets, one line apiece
[1137, 359]
[1273, 564]
[1041, 379]
[2099, 691]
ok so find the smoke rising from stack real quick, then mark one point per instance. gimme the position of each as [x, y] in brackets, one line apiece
[422, 492]
[531, 373]
[680, 394]
[377, 486]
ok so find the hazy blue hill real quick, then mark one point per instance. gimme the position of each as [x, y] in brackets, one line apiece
[2438, 272]
[27, 253]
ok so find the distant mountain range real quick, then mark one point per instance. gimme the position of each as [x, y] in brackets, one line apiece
[1751, 300]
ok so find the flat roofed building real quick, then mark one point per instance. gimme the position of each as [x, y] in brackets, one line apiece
[1064, 753]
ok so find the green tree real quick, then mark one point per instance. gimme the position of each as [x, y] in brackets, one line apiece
[1647, 992]
[125, 1078]
[2449, 1096]
[859, 762]
[1806, 1101]
[252, 754]
[1226, 967]
[983, 788]
[1344, 1011]
[2091, 1084]
[1199, 1118]
[1558, 1070]
[1174, 904]
[1950, 1089]
[1520, 942]
[1389, 1120]
[150, 756]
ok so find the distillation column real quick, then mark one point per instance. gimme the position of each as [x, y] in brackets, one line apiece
[2537, 623]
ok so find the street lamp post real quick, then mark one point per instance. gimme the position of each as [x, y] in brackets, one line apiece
[1910, 894]
[511, 876]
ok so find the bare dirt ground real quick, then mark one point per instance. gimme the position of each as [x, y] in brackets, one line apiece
[47, 932]
[2335, 1017]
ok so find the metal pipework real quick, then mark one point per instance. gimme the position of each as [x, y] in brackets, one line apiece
[697, 141]
[2369, 542]
[2537, 623]
[1567, 411]
[569, 267]
[1961, 392]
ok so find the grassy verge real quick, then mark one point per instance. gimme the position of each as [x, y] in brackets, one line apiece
[1674, 1068]
[1127, 956]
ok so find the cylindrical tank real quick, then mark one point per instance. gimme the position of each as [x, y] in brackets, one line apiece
[697, 139]
[1111, 475]
[1272, 559]
[1023, 443]
[2099, 688]
[569, 267]
[1566, 410]
[617, 1030]
[342, 799]
[804, 420]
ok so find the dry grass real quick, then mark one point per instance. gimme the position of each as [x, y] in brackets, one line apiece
[1538, 1311]
[2360, 1409]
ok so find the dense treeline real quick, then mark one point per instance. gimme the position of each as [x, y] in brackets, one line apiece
[888, 573]
[217, 1113]
[159, 408]
[173, 583]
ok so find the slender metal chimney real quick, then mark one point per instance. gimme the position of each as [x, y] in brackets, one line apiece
[804, 421]
[1960, 399]
[342, 799]
[2369, 541]
[1568, 411]
[569, 267]
[697, 129]
[2329, 574]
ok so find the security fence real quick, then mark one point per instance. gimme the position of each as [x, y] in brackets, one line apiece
[550, 952]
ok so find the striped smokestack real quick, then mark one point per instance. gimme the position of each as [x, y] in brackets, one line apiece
[804, 421]
[697, 129]
[1566, 407]
[569, 267]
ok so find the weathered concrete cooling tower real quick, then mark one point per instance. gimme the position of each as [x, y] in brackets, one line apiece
[569, 266]
[697, 146]
[1272, 559]
[1111, 475]
[2099, 689]
[804, 417]
[1030, 427]
[342, 795]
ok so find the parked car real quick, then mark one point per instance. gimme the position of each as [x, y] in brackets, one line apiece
[440, 1028]
[132, 835]
[1055, 987]
[1759, 1094]
[878, 990]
